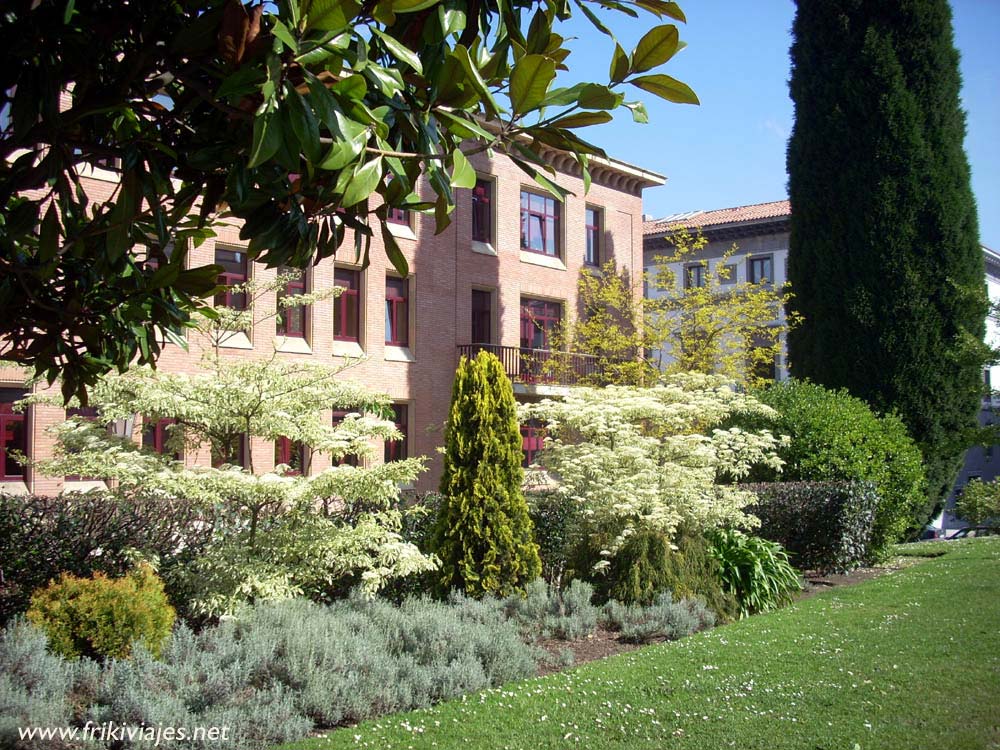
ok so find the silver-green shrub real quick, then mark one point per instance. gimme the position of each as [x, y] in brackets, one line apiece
[665, 619]
[546, 611]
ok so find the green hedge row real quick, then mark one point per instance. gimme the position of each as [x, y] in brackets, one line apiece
[824, 526]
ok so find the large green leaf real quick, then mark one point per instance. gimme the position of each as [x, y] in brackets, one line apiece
[620, 65]
[463, 175]
[400, 51]
[393, 252]
[657, 46]
[363, 182]
[304, 125]
[266, 135]
[461, 55]
[583, 119]
[332, 15]
[667, 88]
[349, 141]
[530, 81]
[282, 32]
[596, 96]
[410, 6]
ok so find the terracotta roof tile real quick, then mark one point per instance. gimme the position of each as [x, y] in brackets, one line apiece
[756, 212]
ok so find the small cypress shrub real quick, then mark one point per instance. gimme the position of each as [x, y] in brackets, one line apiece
[483, 533]
[101, 617]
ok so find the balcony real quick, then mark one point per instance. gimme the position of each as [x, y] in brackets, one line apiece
[541, 366]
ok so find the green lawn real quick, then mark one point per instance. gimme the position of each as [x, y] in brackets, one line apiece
[910, 660]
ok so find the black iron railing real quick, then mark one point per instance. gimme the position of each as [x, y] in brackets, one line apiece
[540, 366]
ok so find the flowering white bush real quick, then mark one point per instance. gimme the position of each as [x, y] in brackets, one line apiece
[654, 457]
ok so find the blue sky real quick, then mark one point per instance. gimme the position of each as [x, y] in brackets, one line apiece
[730, 151]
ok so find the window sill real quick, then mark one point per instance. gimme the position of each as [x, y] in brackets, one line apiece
[292, 344]
[14, 487]
[401, 231]
[537, 259]
[347, 349]
[84, 485]
[484, 248]
[399, 354]
[238, 340]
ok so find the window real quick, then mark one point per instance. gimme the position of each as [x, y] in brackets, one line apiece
[593, 252]
[234, 271]
[350, 459]
[728, 274]
[155, 436]
[397, 311]
[292, 453]
[532, 438]
[694, 276]
[398, 216]
[482, 211]
[233, 453]
[396, 450]
[761, 270]
[482, 317]
[86, 414]
[13, 435]
[291, 321]
[539, 224]
[347, 306]
[766, 368]
[539, 320]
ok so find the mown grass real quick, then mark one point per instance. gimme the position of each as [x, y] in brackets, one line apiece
[910, 660]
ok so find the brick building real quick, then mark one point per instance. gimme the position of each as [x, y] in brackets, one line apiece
[499, 277]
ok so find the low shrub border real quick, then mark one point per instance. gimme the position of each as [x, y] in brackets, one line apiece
[824, 526]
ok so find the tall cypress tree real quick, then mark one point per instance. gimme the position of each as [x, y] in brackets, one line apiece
[483, 533]
[884, 253]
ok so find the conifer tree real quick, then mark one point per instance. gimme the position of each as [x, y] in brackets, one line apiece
[483, 534]
[884, 252]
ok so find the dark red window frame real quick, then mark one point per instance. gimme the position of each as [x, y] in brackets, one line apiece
[482, 317]
[397, 450]
[538, 318]
[592, 256]
[398, 216]
[154, 436]
[286, 451]
[351, 459]
[539, 211]
[346, 326]
[291, 321]
[482, 211]
[532, 440]
[694, 276]
[235, 270]
[397, 311]
[11, 423]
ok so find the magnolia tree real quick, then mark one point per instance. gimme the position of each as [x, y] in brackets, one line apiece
[654, 458]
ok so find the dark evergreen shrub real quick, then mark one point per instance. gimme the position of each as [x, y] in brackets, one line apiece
[825, 526]
[553, 516]
[483, 534]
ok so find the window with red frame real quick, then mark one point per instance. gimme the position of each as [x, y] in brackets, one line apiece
[539, 224]
[397, 311]
[155, 436]
[482, 317]
[398, 216]
[292, 453]
[532, 439]
[13, 434]
[234, 271]
[350, 459]
[482, 211]
[347, 306]
[396, 450]
[291, 321]
[89, 414]
[593, 252]
[234, 454]
[539, 319]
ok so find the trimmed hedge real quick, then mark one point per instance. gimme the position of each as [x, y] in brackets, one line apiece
[824, 526]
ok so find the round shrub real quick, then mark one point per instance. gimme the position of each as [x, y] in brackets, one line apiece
[101, 617]
[553, 516]
[835, 436]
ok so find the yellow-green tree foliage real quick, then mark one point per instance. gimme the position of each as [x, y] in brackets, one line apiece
[102, 617]
[608, 327]
[721, 326]
[980, 502]
[483, 533]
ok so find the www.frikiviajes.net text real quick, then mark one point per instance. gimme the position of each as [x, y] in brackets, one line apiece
[112, 731]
